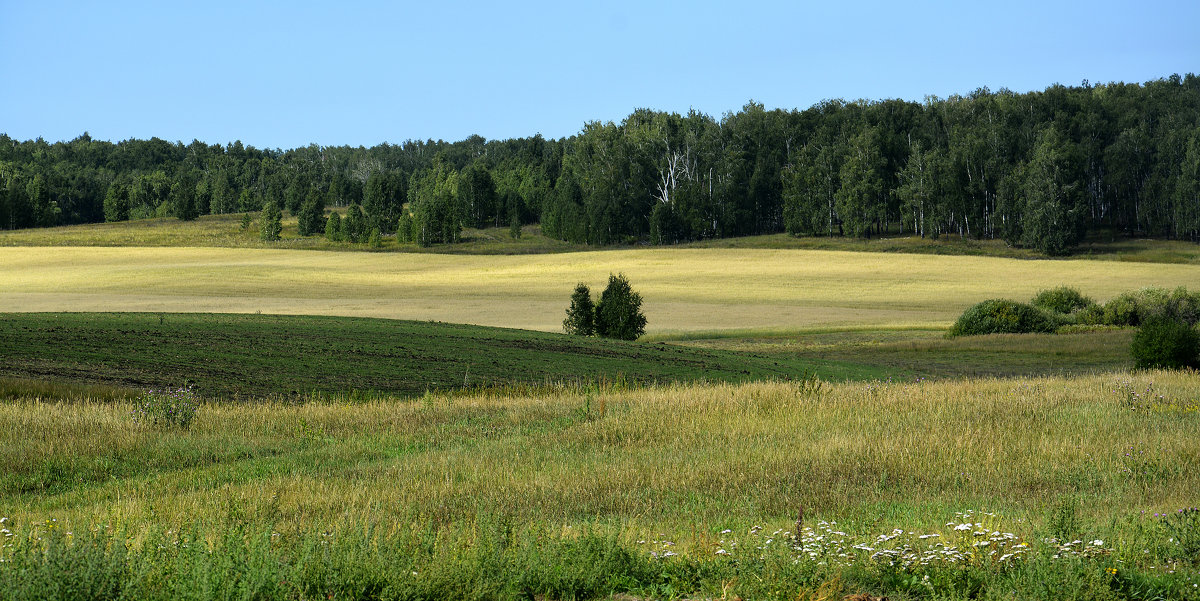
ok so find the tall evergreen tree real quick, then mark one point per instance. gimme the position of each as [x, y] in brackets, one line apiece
[333, 227]
[581, 315]
[311, 218]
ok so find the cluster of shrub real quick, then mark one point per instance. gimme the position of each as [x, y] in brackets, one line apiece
[618, 313]
[1166, 320]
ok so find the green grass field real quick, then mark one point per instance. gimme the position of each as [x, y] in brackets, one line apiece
[229, 356]
[928, 353]
[232, 356]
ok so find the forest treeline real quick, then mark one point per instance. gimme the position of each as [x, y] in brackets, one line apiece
[1038, 169]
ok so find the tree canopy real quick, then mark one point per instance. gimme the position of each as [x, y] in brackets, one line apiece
[1038, 169]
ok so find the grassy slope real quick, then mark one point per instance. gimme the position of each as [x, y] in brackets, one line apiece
[266, 355]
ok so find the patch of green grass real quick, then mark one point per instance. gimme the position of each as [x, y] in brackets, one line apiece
[928, 353]
[233, 356]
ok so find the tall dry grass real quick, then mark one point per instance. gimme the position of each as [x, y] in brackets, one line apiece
[688, 459]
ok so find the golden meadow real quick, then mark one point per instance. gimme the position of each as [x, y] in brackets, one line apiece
[684, 289]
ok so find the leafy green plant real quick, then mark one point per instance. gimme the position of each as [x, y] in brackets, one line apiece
[1183, 530]
[1165, 341]
[1063, 520]
[171, 408]
[1001, 316]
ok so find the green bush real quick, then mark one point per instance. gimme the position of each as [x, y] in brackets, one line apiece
[1124, 310]
[1064, 300]
[1001, 316]
[1092, 315]
[1134, 308]
[1165, 341]
[1183, 305]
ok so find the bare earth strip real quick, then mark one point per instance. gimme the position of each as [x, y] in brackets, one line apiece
[684, 289]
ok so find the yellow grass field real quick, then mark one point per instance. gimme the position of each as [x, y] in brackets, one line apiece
[685, 290]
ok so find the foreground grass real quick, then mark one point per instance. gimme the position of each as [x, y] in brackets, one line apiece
[685, 290]
[451, 483]
[257, 356]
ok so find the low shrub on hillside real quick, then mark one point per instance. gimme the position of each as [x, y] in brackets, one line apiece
[1165, 341]
[1064, 300]
[1002, 316]
[1134, 308]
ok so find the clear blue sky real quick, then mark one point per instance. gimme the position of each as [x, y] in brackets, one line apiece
[286, 74]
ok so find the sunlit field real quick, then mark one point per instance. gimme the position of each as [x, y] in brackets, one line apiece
[684, 289]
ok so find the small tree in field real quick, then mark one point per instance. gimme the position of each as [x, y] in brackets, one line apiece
[581, 315]
[272, 222]
[619, 312]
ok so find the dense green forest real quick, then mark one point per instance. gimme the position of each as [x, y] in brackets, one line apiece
[1039, 169]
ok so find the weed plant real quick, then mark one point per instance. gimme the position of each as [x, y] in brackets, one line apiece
[171, 408]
